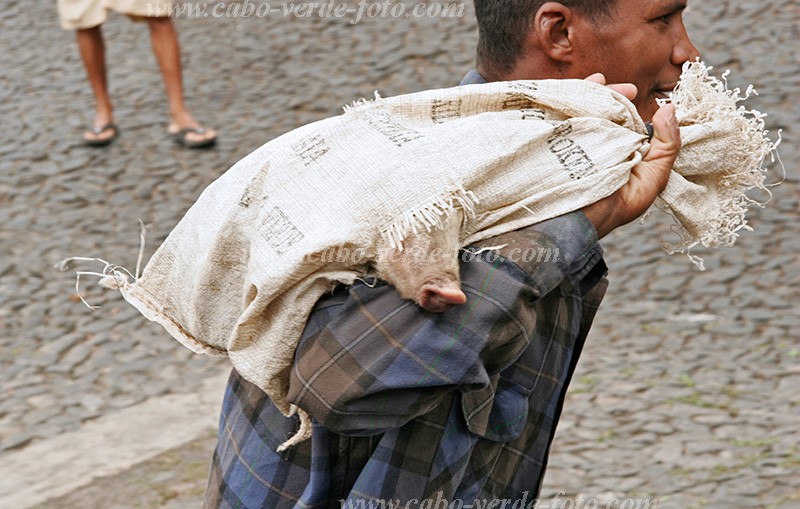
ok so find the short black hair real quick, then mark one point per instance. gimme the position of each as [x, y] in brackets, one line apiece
[503, 25]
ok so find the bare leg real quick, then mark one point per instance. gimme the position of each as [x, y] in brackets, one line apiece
[166, 49]
[92, 50]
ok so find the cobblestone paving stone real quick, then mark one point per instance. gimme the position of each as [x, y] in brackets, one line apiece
[687, 390]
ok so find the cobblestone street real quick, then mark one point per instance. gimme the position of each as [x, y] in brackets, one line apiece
[687, 391]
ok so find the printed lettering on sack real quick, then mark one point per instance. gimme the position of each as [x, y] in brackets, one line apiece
[516, 101]
[394, 132]
[521, 100]
[253, 187]
[279, 231]
[445, 109]
[526, 87]
[310, 149]
[571, 156]
[533, 114]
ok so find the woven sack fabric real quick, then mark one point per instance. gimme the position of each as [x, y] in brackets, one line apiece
[241, 271]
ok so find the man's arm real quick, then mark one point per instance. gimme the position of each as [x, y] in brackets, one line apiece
[370, 361]
[647, 179]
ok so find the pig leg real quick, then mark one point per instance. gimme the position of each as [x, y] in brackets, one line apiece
[426, 270]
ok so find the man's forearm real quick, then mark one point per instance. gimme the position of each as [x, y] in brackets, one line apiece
[370, 361]
[647, 180]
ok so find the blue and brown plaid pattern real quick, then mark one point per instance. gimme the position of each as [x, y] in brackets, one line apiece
[410, 405]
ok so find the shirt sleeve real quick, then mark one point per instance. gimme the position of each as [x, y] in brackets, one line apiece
[370, 361]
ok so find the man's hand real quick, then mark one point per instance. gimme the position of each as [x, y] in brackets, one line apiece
[648, 178]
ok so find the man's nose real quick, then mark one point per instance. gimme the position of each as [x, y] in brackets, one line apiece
[683, 50]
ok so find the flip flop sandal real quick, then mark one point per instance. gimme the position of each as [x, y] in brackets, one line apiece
[181, 139]
[97, 131]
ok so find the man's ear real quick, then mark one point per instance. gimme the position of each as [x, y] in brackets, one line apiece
[552, 28]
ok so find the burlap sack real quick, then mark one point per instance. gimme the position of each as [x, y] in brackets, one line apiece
[724, 148]
[238, 275]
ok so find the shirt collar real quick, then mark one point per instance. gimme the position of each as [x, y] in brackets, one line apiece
[473, 77]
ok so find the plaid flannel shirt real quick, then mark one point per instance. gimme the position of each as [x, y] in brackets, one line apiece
[411, 406]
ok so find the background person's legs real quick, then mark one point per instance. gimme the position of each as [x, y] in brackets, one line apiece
[166, 49]
[92, 51]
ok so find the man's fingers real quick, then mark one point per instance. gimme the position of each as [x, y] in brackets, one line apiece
[666, 134]
[648, 178]
[626, 89]
[653, 172]
[597, 78]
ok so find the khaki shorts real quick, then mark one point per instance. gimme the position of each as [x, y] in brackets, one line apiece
[78, 14]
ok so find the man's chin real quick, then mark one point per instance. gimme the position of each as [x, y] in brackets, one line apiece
[646, 111]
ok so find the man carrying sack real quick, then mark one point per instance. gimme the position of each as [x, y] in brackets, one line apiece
[411, 406]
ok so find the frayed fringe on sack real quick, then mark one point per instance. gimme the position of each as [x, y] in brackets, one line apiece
[429, 216]
[363, 103]
[303, 432]
[701, 98]
[112, 276]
